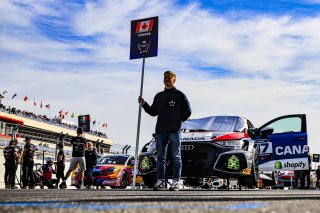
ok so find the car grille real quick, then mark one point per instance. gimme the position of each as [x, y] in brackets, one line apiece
[198, 158]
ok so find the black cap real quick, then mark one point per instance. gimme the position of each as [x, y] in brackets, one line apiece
[27, 138]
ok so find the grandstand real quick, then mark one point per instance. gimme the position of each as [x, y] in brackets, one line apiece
[45, 134]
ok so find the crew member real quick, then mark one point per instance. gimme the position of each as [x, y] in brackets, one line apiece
[10, 155]
[17, 161]
[27, 165]
[60, 163]
[46, 175]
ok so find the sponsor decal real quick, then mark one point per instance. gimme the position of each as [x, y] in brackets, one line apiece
[278, 165]
[145, 163]
[291, 150]
[295, 165]
[193, 139]
[246, 171]
[233, 163]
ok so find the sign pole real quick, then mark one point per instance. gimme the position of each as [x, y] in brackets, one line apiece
[138, 129]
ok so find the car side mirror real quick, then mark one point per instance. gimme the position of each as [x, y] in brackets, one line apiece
[266, 131]
[252, 132]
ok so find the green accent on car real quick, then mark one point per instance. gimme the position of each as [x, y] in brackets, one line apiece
[278, 165]
[145, 163]
[233, 163]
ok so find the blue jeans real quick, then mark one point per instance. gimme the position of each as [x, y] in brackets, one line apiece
[161, 140]
[88, 174]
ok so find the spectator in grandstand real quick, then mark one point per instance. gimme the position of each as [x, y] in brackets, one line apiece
[172, 108]
[60, 162]
[27, 165]
[91, 161]
[78, 148]
[46, 175]
[10, 154]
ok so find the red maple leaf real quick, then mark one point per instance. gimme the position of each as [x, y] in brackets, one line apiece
[144, 26]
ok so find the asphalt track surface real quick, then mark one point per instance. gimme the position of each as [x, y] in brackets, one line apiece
[147, 201]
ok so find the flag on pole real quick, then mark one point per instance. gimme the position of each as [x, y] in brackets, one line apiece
[34, 102]
[72, 115]
[41, 104]
[15, 95]
[48, 106]
[25, 98]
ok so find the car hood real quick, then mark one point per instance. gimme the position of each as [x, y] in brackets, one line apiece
[211, 136]
[107, 166]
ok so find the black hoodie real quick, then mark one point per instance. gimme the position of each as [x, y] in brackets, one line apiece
[172, 108]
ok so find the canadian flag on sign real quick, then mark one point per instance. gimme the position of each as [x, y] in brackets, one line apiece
[144, 26]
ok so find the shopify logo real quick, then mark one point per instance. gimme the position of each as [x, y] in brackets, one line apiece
[278, 165]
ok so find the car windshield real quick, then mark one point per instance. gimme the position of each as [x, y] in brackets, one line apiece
[113, 160]
[215, 123]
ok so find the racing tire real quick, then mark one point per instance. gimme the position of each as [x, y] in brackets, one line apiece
[149, 180]
[124, 180]
[252, 180]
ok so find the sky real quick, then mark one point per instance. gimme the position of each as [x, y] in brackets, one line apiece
[256, 59]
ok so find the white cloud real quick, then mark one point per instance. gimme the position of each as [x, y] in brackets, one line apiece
[283, 50]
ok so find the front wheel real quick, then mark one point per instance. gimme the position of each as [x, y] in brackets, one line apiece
[150, 179]
[124, 180]
[251, 181]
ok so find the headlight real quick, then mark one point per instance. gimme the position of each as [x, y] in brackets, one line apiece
[152, 146]
[236, 144]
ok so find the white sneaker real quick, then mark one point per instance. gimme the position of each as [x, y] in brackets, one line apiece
[159, 185]
[175, 185]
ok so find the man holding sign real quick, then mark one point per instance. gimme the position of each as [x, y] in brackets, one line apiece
[172, 108]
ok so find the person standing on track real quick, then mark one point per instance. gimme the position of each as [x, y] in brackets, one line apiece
[78, 148]
[10, 154]
[172, 108]
[27, 164]
[60, 163]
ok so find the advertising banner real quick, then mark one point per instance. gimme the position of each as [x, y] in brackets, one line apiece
[144, 38]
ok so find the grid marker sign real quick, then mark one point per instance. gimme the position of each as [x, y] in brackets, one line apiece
[144, 38]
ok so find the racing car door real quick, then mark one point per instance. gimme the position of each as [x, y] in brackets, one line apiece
[286, 147]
